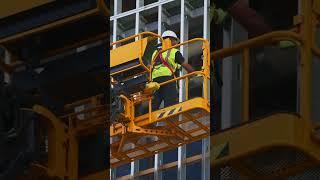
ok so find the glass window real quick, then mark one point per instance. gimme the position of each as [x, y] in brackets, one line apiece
[146, 2]
[123, 170]
[126, 28]
[193, 171]
[170, 173]
[194, 148]
[111, 7]
[145, 177]
[128, 5]
[149, 20]
[146, 163]
[170, 156]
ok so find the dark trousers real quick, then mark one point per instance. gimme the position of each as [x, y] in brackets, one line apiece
[167, 93]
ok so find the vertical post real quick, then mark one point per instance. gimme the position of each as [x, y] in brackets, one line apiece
[114, 39]
[160, 19]
[134, 169]
[306, 60]
[115, 26]
[113, 174]
[73, 156]
[231, 90]
[158, 157]
[205, 158]
[227, 84]
[206, 29]
[137, 23]
[245, 85]
[182, 149]
[157, 163]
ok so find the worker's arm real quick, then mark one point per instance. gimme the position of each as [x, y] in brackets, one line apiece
[243, 14]
[187, 67]
[180, 60]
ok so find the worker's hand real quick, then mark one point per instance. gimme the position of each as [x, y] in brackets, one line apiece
[187, 67]
[286, 44]
[218, 16]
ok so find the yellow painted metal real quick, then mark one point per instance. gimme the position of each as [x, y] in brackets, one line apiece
[128, 52]
[63, 134]
[169, 136]
[56, 140]
[293, 132]
[11, 7]
[127, 137]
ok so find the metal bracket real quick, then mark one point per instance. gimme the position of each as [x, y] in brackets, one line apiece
[160, 132]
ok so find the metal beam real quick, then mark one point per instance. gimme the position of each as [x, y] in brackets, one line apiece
[131, 12]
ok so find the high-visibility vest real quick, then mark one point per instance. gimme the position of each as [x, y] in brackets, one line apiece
[161, 69]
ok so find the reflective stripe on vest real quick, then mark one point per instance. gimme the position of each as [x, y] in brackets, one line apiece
[161, 69]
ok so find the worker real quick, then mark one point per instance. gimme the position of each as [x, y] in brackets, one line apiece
[166, 65]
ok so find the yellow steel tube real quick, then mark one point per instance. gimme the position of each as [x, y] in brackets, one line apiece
[181, 44]
[136, 35]
[245, 84]
[150, 109]
[125, 70]
[258, 41]
[187, 88]
[307, 32]
[182, 77]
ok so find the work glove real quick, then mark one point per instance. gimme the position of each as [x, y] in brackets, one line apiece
[286, 44]
[218, 16]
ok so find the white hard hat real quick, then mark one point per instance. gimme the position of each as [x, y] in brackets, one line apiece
[169, 33]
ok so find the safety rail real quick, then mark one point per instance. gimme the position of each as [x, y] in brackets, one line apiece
[93, 115]
[244, 48]
[139, 36]
[64, 132]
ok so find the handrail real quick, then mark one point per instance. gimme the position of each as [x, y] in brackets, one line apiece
[272, 37]
[136, 35]
[205, 42]
[182, 77]
[243, 48]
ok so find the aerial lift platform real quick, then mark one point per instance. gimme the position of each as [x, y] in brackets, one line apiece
[135, 136]
[280, 145]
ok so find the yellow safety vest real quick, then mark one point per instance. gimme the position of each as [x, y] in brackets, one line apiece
[162, 70]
